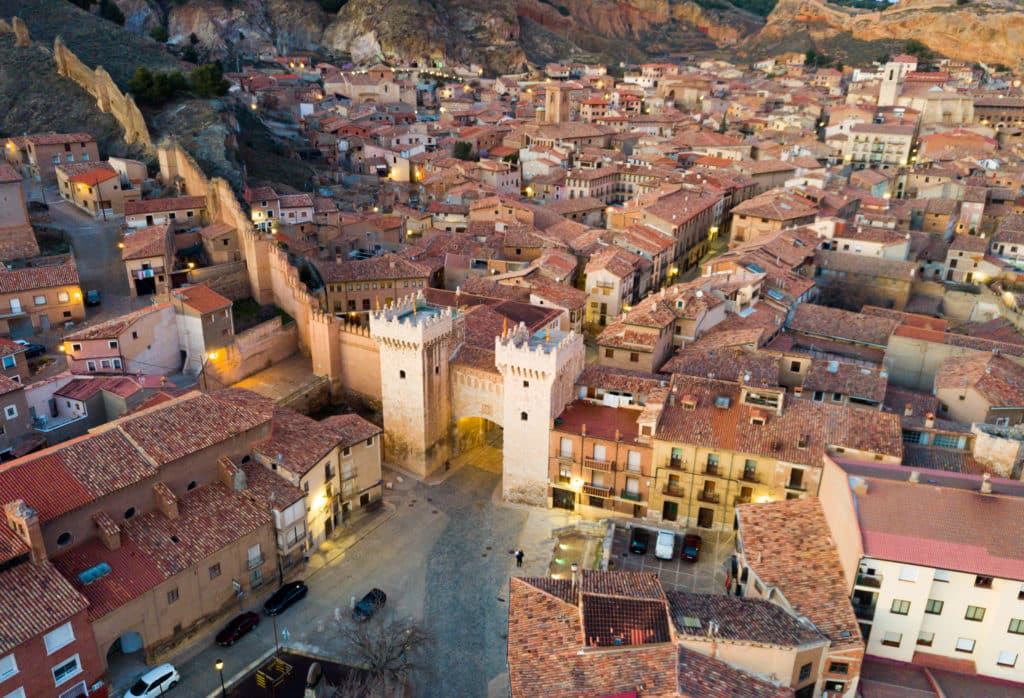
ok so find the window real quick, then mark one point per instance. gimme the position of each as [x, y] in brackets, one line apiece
[59, 637]
[112, 344]
[39, 300]
[609, 353]
[934, 606]
[634, 357]
[1007, 659]
[964, 644]
[941, 575]
[369, 442]
[401, 374]
[63, 539]
[117, 363]
[633, 460]
[8, 667]
[975, 613]
[1016, 626]
[805, 672]
[900, 607]
[983, 582]
[19, 692]
[347, 451]
[214, 571]
[76, 347]
[908, 574]
[523, 416]
[838, 668]
[10, 411]
[794, 366]
[256, 577]
[925, 639]
[565, 447]
[891, 639]
[9, 362]
[819, 396]
[129, 513]
[63, 672]
[90, 365]
[63, 297]
[172, 596]
[526, 384]
[837, 397]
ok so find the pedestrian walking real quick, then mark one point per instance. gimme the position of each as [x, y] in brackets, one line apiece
[519, 558]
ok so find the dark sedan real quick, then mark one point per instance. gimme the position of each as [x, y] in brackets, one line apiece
[285, 597]
[237, 628]
[638, 541]
[32, 350]
[369, 604]
[691, 547]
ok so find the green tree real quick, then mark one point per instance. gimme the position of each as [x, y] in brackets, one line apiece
[110, 11]
[724, 125]
[208, 80]
[156, 88]
[190, 54]
[159, 33]
[462, 150]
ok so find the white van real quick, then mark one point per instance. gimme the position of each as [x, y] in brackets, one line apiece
[665, 547]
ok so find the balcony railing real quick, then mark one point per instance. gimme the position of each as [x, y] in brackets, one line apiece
[741, 500]
[597, 490]
[712, 470]
[255, 562]
[676, 464]
[710, 497]
[749, 476]
[597, 464]
[631, 496]
[798, 486]
[869, 580]
[673, 490]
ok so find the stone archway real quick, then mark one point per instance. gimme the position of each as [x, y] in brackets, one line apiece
[126, 660]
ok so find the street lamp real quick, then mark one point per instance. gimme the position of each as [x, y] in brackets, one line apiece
[219, 666]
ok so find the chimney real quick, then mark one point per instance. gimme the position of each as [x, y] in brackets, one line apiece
[929, 420]
[986, 484]
[915, 477]
[23, 520]
[166, 501]
[908, 410]
[110, 532]
[860, 486]
[232, 476]
[583, 430]
[618, 435]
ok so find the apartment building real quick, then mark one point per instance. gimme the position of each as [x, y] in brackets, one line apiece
[143, 341]
[931, 581]
[879, 146]
[718, 444]
[38, 155]
[38, 294]
[148, 255]
[96, 187]
[186, 211]
[613, 282]
[358, 286]
[769, 212]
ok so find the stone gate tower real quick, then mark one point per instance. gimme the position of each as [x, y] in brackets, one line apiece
[415, 340]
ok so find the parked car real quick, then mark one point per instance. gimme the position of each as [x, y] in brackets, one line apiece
[92, 297]
[691, 547]
[665, 545]
[32, 350]
[638, 541]
[285, 597]
[155, 682]
[238, 628]
[369, 604]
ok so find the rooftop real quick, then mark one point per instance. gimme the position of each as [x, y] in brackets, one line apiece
[153, 241]
[180, 203]
[745, 620]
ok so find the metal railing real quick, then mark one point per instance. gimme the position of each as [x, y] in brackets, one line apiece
[631, 496]
[869, 580]
[741, 500]
[675, 464]
[749, 477]
[597, 464]
[673, 490]
[712, 470]
[710, 497]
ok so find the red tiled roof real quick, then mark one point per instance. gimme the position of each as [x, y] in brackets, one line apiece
[301, 442]
[704, 677]
[35, 598]
[45, 485]
[179, 203]
[350, 428]
[132, 573]
[153, 241]
[59, 138]
[113, 328]
[8, 173]
[45, 272]
[202, 298]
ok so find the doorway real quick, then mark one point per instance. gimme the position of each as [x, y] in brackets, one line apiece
[563, 499]
[705, 517]
[670, 511]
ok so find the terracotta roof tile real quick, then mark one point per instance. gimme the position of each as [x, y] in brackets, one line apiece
[738, 619]
[59, 138]
[35, 598]
[113, 328]
[43, 272]
[153, 241]
[704, 677]
[833, 323]
[180, 203]
[202, 298]
[809, 575]
[999, 380]
[350, 429]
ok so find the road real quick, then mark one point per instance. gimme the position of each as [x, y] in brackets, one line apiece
[444, 557]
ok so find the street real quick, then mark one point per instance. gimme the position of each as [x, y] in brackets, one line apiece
[442, 557]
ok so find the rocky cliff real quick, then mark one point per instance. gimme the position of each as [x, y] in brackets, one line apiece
[986, 30]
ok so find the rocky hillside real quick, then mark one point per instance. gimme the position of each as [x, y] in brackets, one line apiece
[980, 30]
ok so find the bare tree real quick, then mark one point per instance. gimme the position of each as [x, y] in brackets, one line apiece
[388, 649]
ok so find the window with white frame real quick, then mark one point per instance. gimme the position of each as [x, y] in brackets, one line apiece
[9, 361]
[965, 644]
[10, 411]
[58, 638]
[908, 574]
[63, 297]
[942, 575]
[19, 692]
[39, 300]
[633, 460]
[1007, 659]
[565, 447]
[66, 670]
[8, 667]
[892, 639]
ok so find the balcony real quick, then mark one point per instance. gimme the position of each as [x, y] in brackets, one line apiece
[596, 464]
[597, 491]
[712, 470]
[565, 458]
[866, 612]
[255, 562]
[709, 497]
[869, 580]
[631, 496]
[740, 500]
[797, 486]
[676, 464]
[673, 490]
[749, 476]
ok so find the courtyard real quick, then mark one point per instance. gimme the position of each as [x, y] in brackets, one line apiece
[705, 576]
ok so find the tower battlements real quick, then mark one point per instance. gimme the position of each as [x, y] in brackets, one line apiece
[540, 354]
[411, 323]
